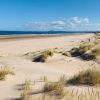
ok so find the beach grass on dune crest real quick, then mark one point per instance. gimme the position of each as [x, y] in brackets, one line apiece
[88, 77]
[43, 56]
[96, 51]
[86, 46]
[97, 35]
[83, 48]
[97, 41]
[89, 50]
[92, 55]
[4, 71]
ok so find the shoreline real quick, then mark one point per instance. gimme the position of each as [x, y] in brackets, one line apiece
[18, 37]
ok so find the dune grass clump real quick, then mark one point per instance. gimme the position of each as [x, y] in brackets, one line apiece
[88, 77]
[86, 46]
[55, 88]
[25, 95]
[75, 52]
[66, 54]
[88, 56]
[89, 93]
[43, 56]
[4, 71]
[45, 79]
[96, 51]
[92, 55]
[83, 48]
[62, 79]
[86, 49]
[97, 35]
[97, 41]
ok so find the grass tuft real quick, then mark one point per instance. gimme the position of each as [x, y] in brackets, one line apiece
[43, 56]
[4, 71]
[97, 41]
[55, 88]
[86, 46]
[96, 51]
[25, 95]
[83, 48]
[88, 77]
[62, 79]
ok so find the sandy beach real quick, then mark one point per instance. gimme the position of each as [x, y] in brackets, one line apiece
[12, 51]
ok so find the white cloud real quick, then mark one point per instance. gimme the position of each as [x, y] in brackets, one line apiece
[74, 23]
[86, 20]
[78, 22]
[75, 20]
[58, 22]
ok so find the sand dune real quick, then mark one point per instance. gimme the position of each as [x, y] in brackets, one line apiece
[11, 54]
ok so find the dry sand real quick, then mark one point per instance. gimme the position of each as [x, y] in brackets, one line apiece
[11, 54]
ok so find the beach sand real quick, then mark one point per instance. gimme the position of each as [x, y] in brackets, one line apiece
[11, 54]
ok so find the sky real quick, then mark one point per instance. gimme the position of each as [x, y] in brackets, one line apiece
[44, 15]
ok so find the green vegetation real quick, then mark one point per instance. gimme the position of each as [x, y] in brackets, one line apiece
[92, 55]
[75, 52]
[83, 48]
[97, 41]
[97, 35]
[66, 54]
[88, 56]
[75, 94]
[55, 88]
[62, 79]
[4, 71]
[45, 79]
[58, 90]
[26, 91]
[43, 56]
[96, 51]
[88, 50]
[88, 77]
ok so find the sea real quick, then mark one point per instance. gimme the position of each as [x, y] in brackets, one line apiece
[11, 33]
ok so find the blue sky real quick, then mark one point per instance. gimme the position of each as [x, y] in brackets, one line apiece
[49, 15]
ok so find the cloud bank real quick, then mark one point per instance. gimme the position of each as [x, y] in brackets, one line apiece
[71, 24]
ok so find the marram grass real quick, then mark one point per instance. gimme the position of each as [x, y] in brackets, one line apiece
[88, 77]
[4, 71]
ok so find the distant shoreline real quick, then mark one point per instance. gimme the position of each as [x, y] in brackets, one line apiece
[33, 36]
